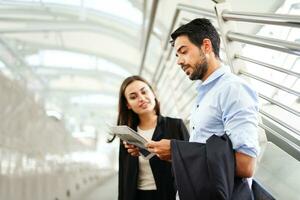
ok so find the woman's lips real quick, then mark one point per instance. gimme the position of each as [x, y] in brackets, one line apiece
[143, 105]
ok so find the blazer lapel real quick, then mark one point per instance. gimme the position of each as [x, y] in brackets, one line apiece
[159, 129]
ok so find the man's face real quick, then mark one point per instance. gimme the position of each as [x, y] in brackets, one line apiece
[191, 58]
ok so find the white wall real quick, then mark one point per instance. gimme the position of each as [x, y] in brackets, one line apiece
[36, 152]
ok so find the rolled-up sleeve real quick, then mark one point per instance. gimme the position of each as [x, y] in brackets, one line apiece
[240, 117]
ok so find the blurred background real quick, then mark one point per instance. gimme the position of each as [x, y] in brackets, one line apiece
[62, 63]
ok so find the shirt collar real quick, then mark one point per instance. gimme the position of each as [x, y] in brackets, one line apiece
[215, 75]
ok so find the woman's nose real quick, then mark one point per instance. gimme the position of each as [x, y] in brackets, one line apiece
[141, 98]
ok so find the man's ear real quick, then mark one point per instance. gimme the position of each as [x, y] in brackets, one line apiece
[207, 46]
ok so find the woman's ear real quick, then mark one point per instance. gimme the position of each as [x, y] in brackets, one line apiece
[128, 106]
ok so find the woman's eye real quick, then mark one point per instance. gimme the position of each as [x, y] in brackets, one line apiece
[144, 92]
[132, 97]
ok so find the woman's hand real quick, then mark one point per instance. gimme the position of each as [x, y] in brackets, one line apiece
[131, 149]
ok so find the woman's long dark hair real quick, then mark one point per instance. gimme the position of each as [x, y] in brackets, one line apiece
[127, 116]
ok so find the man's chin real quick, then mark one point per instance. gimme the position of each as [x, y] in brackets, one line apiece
[190, 76]
[194, 77]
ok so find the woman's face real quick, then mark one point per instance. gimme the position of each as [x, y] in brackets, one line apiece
[139, 97]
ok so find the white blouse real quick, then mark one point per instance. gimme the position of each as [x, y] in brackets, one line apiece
[145, 179]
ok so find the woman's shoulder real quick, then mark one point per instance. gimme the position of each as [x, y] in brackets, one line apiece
[174, 128]
[171, 119]
[171, 122]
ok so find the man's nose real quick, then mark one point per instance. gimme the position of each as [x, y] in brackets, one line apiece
[180, 61]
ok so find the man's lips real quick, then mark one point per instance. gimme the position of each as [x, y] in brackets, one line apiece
[184, 68]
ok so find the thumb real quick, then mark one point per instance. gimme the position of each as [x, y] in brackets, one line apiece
[152, 144]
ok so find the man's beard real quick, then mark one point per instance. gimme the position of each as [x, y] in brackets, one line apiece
[200, 70]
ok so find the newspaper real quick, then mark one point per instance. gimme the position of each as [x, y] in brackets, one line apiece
[129, 135]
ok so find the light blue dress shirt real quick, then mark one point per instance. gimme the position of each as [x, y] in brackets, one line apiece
[226, 103]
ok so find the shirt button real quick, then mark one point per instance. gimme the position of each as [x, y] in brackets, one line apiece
[193, 128]
[197, 105]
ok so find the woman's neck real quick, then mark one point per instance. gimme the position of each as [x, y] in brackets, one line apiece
[147, 121]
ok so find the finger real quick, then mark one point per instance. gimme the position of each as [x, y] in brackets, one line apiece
[152, 150]
[126, 145]
[133, 146]
[151, 144]
[129, 146]
[135, 154]
[130, 150]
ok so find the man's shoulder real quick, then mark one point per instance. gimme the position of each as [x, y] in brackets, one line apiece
[230, 80]
[234, 88]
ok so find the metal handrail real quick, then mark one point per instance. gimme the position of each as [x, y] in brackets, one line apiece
[163, 70]
[188, 8]
[158, 66]
[278, 135]
[294, 92]
[279, 122]
[275, 44]
[289, 72]
[277, 103]
[195, 10]
[272, 19]
[179, 8]
[149, 30]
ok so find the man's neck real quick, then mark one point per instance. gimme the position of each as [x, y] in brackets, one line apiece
[213, 65]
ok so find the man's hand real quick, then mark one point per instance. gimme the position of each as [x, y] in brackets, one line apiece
[245, 165]
[161, 148]
[131, 149]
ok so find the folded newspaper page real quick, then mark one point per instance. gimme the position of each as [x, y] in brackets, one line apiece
[129, 135]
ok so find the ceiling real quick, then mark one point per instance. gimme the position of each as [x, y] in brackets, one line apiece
[73, 55]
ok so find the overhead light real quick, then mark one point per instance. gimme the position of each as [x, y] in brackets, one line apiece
[295, 6]
[98, 99]
[55, 114]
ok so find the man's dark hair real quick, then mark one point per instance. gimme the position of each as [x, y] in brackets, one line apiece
[197, 30]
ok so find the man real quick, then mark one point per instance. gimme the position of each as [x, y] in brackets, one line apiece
[225, 103]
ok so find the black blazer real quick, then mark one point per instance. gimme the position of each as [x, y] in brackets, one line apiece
[207, 171]
[166, 128]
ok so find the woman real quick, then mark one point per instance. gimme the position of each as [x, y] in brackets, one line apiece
[141, 179]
